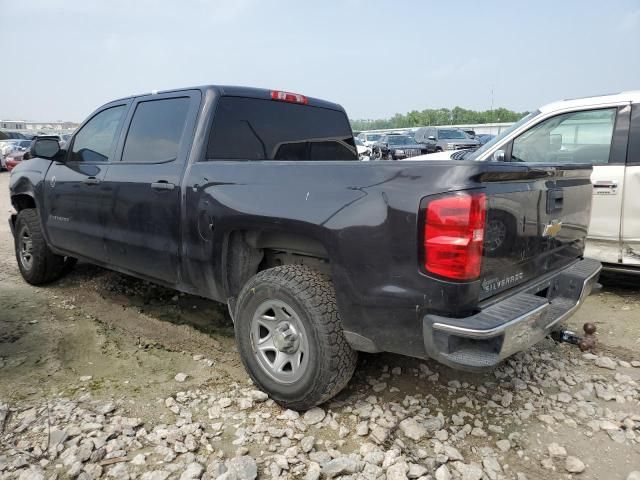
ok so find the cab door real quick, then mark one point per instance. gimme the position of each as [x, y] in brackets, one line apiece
[608, 179]
[74, 193]
[144, 220]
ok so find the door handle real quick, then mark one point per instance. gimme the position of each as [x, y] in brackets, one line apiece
[555, 200]
[91, 181]
[162, 185]
[605, 184]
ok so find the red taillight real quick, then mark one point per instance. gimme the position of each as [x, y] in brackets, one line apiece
[453, 235]
[288, 97]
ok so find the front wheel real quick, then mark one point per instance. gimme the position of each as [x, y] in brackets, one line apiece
[290, 338]
[37, 263]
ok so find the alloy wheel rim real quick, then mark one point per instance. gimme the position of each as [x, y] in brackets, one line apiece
[26, 248]
[279, 341]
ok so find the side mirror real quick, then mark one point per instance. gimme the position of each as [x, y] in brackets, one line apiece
[431, 138]
[46, 148]
[498, 156]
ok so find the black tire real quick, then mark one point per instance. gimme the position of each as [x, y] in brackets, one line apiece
[44, 266]
[331, 361]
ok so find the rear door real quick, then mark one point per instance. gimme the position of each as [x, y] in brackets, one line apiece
[539, 222]
[143, 226]
[608, 178]
[630, 248]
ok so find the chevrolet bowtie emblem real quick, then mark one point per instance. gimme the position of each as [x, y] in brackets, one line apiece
[552, 229]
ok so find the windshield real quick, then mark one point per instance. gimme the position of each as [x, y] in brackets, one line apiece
[451, 134]
[373, 137]
[358, 141]
[475, 154]
[400, 140]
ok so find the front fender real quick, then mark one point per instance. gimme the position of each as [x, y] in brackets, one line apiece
[26, 188]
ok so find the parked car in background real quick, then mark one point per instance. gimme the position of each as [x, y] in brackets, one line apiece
[364, 152]
[13, 159]
[369, 138]
[64, 138]
[397, 147]
[8, 147]
[470, 133]
[484, 138]
[440, 139]
[410, 134]
[316, 255]
[603, 131]
[7, 135]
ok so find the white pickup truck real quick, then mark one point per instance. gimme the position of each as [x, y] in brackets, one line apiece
[603, 131]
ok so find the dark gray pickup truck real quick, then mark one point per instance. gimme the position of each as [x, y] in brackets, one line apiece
[256, 198]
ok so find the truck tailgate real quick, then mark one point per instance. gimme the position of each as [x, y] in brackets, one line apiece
[536, 223]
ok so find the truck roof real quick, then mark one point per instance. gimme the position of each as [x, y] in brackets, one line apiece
[240, 91]
[632, 96]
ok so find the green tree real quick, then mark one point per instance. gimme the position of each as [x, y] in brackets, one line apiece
[439, 116]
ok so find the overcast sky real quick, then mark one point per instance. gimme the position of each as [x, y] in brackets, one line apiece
[63, 58]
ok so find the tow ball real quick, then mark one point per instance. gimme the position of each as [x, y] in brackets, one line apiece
[586, 343]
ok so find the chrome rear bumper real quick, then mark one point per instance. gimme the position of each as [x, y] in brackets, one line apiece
[511, 325]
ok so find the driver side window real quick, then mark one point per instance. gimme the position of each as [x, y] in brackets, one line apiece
[94, 142]
[575, 137]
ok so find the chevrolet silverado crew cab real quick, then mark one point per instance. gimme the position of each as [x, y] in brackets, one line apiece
[603, 131]
[256, 198]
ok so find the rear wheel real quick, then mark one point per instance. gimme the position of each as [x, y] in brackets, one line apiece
[37, 263]
[290, 336]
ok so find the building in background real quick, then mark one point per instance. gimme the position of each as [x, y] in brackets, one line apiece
[34, 128]
[13, 124]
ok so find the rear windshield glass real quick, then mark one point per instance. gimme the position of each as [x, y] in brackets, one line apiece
[255, 129]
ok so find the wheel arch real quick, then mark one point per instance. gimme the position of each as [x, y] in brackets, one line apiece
[249, 251]
[23, 200]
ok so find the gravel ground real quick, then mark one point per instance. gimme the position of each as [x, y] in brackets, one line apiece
[104, 376]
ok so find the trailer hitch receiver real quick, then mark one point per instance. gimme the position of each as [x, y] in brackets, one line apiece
[585, 343]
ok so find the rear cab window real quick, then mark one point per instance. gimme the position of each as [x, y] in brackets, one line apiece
[259, 129]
